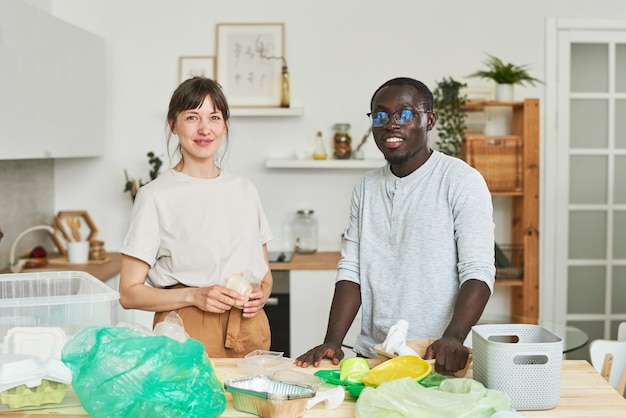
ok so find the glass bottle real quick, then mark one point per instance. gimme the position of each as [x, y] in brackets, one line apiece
[342, 141]
[284, 89]
[319, 153]
[96, 250]
[305, 231]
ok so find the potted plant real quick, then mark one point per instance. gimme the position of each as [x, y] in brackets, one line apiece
[505, 76]
[451, 116]
[132, 185]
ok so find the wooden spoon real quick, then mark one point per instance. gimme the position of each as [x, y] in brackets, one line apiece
[76, 228]
[73, 222]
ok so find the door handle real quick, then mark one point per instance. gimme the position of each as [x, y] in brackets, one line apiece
[271, 301]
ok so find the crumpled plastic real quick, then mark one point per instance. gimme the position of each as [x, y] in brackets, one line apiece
[121, 372]
[396, 340]
[352, 369]
[454, 398]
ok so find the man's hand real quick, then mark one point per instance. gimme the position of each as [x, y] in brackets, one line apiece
[315, 355]
[449, 353]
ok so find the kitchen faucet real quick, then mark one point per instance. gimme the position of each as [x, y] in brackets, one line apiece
[18, 265]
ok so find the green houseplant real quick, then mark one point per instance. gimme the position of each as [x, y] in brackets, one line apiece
[451, 116]
[132, 185]
[503, 73]
[506, 75]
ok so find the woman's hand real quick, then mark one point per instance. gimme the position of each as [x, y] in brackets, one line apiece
[256, 302]
[216, 298]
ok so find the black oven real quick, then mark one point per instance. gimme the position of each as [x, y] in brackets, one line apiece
[277, 310]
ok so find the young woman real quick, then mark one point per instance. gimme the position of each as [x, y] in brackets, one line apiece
[194, 227]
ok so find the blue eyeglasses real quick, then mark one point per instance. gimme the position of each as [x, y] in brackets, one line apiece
[401, 117]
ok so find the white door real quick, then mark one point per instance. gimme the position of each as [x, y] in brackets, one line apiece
[584, 269]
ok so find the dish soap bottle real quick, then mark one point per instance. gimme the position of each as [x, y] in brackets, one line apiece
[320, 152]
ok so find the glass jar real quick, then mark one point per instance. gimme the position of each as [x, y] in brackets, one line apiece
[305, 231]
[342, 141]
[96, 250]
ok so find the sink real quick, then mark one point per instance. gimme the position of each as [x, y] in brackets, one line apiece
[279, 256]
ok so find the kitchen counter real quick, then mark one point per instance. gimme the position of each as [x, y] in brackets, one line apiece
[584, 393]
[103, 271]
[320, 260]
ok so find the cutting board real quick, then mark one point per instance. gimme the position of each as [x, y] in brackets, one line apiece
[63, 261]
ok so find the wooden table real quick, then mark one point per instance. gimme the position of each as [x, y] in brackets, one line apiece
[584, 393]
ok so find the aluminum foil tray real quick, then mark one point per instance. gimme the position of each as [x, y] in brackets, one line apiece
[269, 397]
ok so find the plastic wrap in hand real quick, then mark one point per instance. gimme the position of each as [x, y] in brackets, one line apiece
[120, 372]
[396, 340]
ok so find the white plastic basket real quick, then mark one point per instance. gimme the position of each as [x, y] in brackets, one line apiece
[521, 360]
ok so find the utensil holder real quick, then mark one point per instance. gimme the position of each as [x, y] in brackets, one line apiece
[78, 252]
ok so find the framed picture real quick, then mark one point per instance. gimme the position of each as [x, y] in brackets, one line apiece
[250, 58]
[188, 67]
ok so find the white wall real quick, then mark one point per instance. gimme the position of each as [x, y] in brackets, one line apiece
[338, 53]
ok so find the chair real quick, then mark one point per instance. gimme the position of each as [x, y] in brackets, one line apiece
[609, 358]
[621, 332]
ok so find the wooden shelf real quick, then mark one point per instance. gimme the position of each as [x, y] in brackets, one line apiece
[476, 104]
[509, 282]
[266, 111]
[525, 210]
[325, 164]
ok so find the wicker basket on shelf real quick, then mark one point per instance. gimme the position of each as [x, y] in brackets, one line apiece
[499, 160]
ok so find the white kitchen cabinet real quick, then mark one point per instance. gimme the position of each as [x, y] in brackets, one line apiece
[311, 294]
[52, 84]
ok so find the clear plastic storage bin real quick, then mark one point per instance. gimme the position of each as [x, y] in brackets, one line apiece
[52, 306]
[39, 312]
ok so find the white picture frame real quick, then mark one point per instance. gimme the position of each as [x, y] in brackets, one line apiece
[192, 66]
[250, 57]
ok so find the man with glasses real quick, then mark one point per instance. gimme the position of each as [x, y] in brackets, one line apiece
[419, 245]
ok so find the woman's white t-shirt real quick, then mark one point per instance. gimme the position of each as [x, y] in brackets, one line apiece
[197, 232]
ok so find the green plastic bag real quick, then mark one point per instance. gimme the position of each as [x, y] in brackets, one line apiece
[454, 398]
[120, 372]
